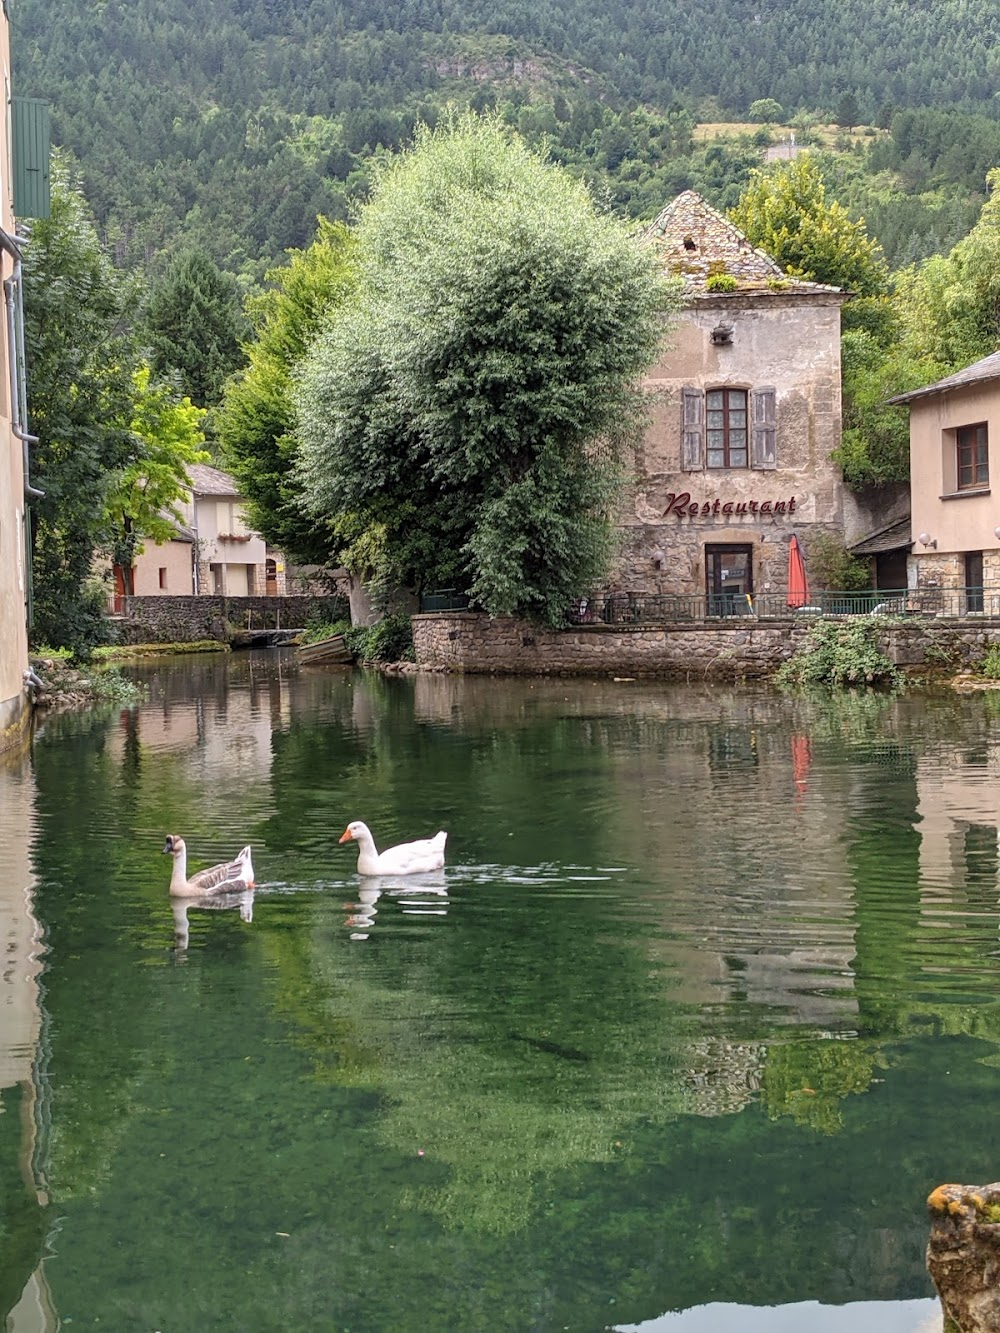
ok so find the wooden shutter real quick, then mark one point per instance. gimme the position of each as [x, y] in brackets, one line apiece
[764, 431]
[692, 430]
[31, 151]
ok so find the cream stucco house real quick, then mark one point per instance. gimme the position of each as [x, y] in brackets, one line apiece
[25, 133]
[214, 550]
[746, 411]
[954, 437]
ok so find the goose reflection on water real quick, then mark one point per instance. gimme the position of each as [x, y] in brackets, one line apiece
[411, 890]
[218, 902]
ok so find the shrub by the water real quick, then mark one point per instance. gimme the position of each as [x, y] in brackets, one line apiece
[391, 640]
[990, 665]
[316, 632]
[844, 654]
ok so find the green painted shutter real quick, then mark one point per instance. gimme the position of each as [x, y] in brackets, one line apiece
[31, 157]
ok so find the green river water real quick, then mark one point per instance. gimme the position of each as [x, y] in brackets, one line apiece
[704, 1004]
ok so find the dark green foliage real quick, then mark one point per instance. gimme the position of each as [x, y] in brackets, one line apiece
[847, 113]
[193, 326]
[843, 655]
[325, 629]
[834, 567]
[766, 110]
[80, 399]
[989, 664]
[256, 421]
[390, 640]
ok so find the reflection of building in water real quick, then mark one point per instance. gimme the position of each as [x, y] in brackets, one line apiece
[225, 729]
[721, 1077]
[762, 911]
[958, 815]
[24, 1296]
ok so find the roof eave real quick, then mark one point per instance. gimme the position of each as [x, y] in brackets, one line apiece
[901, 399]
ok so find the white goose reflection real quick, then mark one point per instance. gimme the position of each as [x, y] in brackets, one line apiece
[218, 902]
[419, 895]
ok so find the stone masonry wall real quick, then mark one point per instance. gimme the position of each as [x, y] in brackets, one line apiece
[187, 619]
[470, 642]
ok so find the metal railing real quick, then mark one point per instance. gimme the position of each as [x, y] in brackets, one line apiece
[444, 599]
[669, 608]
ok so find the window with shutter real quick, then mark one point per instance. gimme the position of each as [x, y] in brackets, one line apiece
[692, 430]
[726, 427]
[764, 434]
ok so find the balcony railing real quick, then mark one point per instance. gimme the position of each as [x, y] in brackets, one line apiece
[642, 608]
[652, 608]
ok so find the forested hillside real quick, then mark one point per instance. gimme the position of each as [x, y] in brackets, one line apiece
[233, 123]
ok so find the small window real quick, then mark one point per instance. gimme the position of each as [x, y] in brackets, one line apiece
[163, 576]
[972, 444]
[726, 427]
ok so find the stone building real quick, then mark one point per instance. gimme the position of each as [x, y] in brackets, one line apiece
[214, 552]
[954, 428]
[745, 414]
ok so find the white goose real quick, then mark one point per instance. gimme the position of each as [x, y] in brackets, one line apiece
[226, 877]
[409, 858]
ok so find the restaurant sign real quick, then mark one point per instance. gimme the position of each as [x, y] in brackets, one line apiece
[681, 504]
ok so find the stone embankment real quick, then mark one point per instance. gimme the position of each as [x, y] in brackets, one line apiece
[154, 619]
[737, 649]
[963, 1255]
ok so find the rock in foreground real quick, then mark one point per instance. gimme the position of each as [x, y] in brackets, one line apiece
[963, 1255]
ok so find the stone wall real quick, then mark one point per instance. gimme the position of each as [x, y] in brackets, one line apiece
[187, 619]
[470, 642]
[467, 641]
[788, 342]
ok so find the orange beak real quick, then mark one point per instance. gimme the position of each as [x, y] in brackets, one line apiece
[348, 835]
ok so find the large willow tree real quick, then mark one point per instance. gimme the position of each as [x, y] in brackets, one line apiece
[464, 416]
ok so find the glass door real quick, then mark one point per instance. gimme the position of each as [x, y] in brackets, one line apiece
[973, 580]
[729, 580]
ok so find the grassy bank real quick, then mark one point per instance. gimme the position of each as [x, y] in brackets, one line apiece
[127, 652]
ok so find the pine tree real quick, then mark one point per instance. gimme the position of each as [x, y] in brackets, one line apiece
[193, 327]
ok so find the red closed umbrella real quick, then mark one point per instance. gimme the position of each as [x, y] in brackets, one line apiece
[798, 584]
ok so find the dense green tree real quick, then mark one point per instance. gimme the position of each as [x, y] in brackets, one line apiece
[952, 305]
[142, 499]
[847, 114]
[875, 446]
[256, 421]
[193, 326]
[464, 414]
[766, 111]
[80, 400]
[785, 211]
